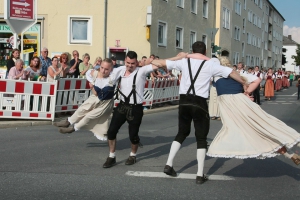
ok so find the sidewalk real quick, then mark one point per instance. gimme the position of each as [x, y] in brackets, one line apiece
[12, 123]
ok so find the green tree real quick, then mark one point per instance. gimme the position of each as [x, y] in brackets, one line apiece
[297, 57]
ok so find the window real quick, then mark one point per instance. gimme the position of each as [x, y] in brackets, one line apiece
[192, 38]
[226, 18]
[266, 45]
[266, 28]
[236, 33]
[245, 5]
[204, 39]
[260, 3]
[162, 34]
[179, 37]
[250, 16]
[194, 4]
[254, 19]
[205, 8]
[259, 43]
[244, 25]
[249, 38]
[236, 56]
[267, 10]
[243, 49]
[238, 7]
[80, 30]
[259, 23]
[180, 3]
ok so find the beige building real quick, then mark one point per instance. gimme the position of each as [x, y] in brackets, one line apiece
[250, 32]
[160, 27]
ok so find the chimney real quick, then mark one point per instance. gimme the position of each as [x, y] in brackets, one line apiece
[290, 37]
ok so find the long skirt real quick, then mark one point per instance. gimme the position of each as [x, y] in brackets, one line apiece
[285, 82]
[93, 115]
[278, 84]
[269, 88]
[213, 107]
[248, 131]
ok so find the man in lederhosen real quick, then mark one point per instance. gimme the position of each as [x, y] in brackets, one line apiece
[256, 93]
[131, 92]
[194, 87]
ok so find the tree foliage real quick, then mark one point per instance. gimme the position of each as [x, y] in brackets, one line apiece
[297, 57]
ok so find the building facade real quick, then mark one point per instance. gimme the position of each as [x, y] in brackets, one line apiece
[289, 49]
[111, 28]
[250, 32]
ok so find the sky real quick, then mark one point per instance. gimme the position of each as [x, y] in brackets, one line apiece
[289, 9]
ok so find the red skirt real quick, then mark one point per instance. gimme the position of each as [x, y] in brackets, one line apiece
[278, 84]
[269, 88]
[285, 82]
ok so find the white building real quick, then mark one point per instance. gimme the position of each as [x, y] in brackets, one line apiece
[289, 49]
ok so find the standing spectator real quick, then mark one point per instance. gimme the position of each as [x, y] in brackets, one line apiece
[85, 65]
[34, 68]
[17, 71]
[11, 62]
[291, 78]
[54, 71]
[143, 61]
[256, 93]
[114, 60]
[234, 67]
[74, 63]
[46, 62]
[65, 68]
[98, 62]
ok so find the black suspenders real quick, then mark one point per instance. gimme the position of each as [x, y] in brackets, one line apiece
[133, 91]
[193, 80]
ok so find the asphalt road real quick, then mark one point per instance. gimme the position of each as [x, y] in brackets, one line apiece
[38, 162]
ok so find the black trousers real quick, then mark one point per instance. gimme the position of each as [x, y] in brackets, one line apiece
[133, 114]
[193, 108]
[256, 95]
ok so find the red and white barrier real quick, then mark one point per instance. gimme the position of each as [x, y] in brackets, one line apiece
[41, 100]
[27, 100]
[71, 93]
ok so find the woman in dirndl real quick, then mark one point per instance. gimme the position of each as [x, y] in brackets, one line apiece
[285, 80]
[269, 86]
[213, 107]
[248, 131]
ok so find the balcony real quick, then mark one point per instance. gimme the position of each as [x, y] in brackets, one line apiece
[270, 20]
[270, 54]
[270, 37]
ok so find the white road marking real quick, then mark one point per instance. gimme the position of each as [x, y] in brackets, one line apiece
[293, 101]
[179, 175]
[286, 103]
[280, 101]
[296, 93]
[272, 103]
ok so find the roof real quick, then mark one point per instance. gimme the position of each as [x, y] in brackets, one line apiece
[288, 41]
[275, 9]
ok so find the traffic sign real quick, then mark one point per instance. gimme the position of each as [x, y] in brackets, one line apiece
[21, 9]
[20, 15]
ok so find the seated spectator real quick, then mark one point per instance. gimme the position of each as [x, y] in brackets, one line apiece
[18, 71]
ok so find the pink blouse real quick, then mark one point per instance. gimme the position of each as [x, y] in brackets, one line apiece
[13, 72]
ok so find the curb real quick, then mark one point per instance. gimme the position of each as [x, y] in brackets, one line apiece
[25, 123]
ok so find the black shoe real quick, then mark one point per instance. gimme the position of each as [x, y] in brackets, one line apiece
[201, 179]
[109, 162]
[131, 160]
[170, 171]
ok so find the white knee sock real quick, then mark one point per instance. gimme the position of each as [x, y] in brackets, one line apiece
[69, 120]
[76, 129]
[132, 154]
[173, 151]
[200, 158]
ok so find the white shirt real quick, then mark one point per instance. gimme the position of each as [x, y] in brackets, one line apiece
[100, 82]
[250, 77]
[241, 71]
[126, 82]
[260, 75]
[210, 68]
